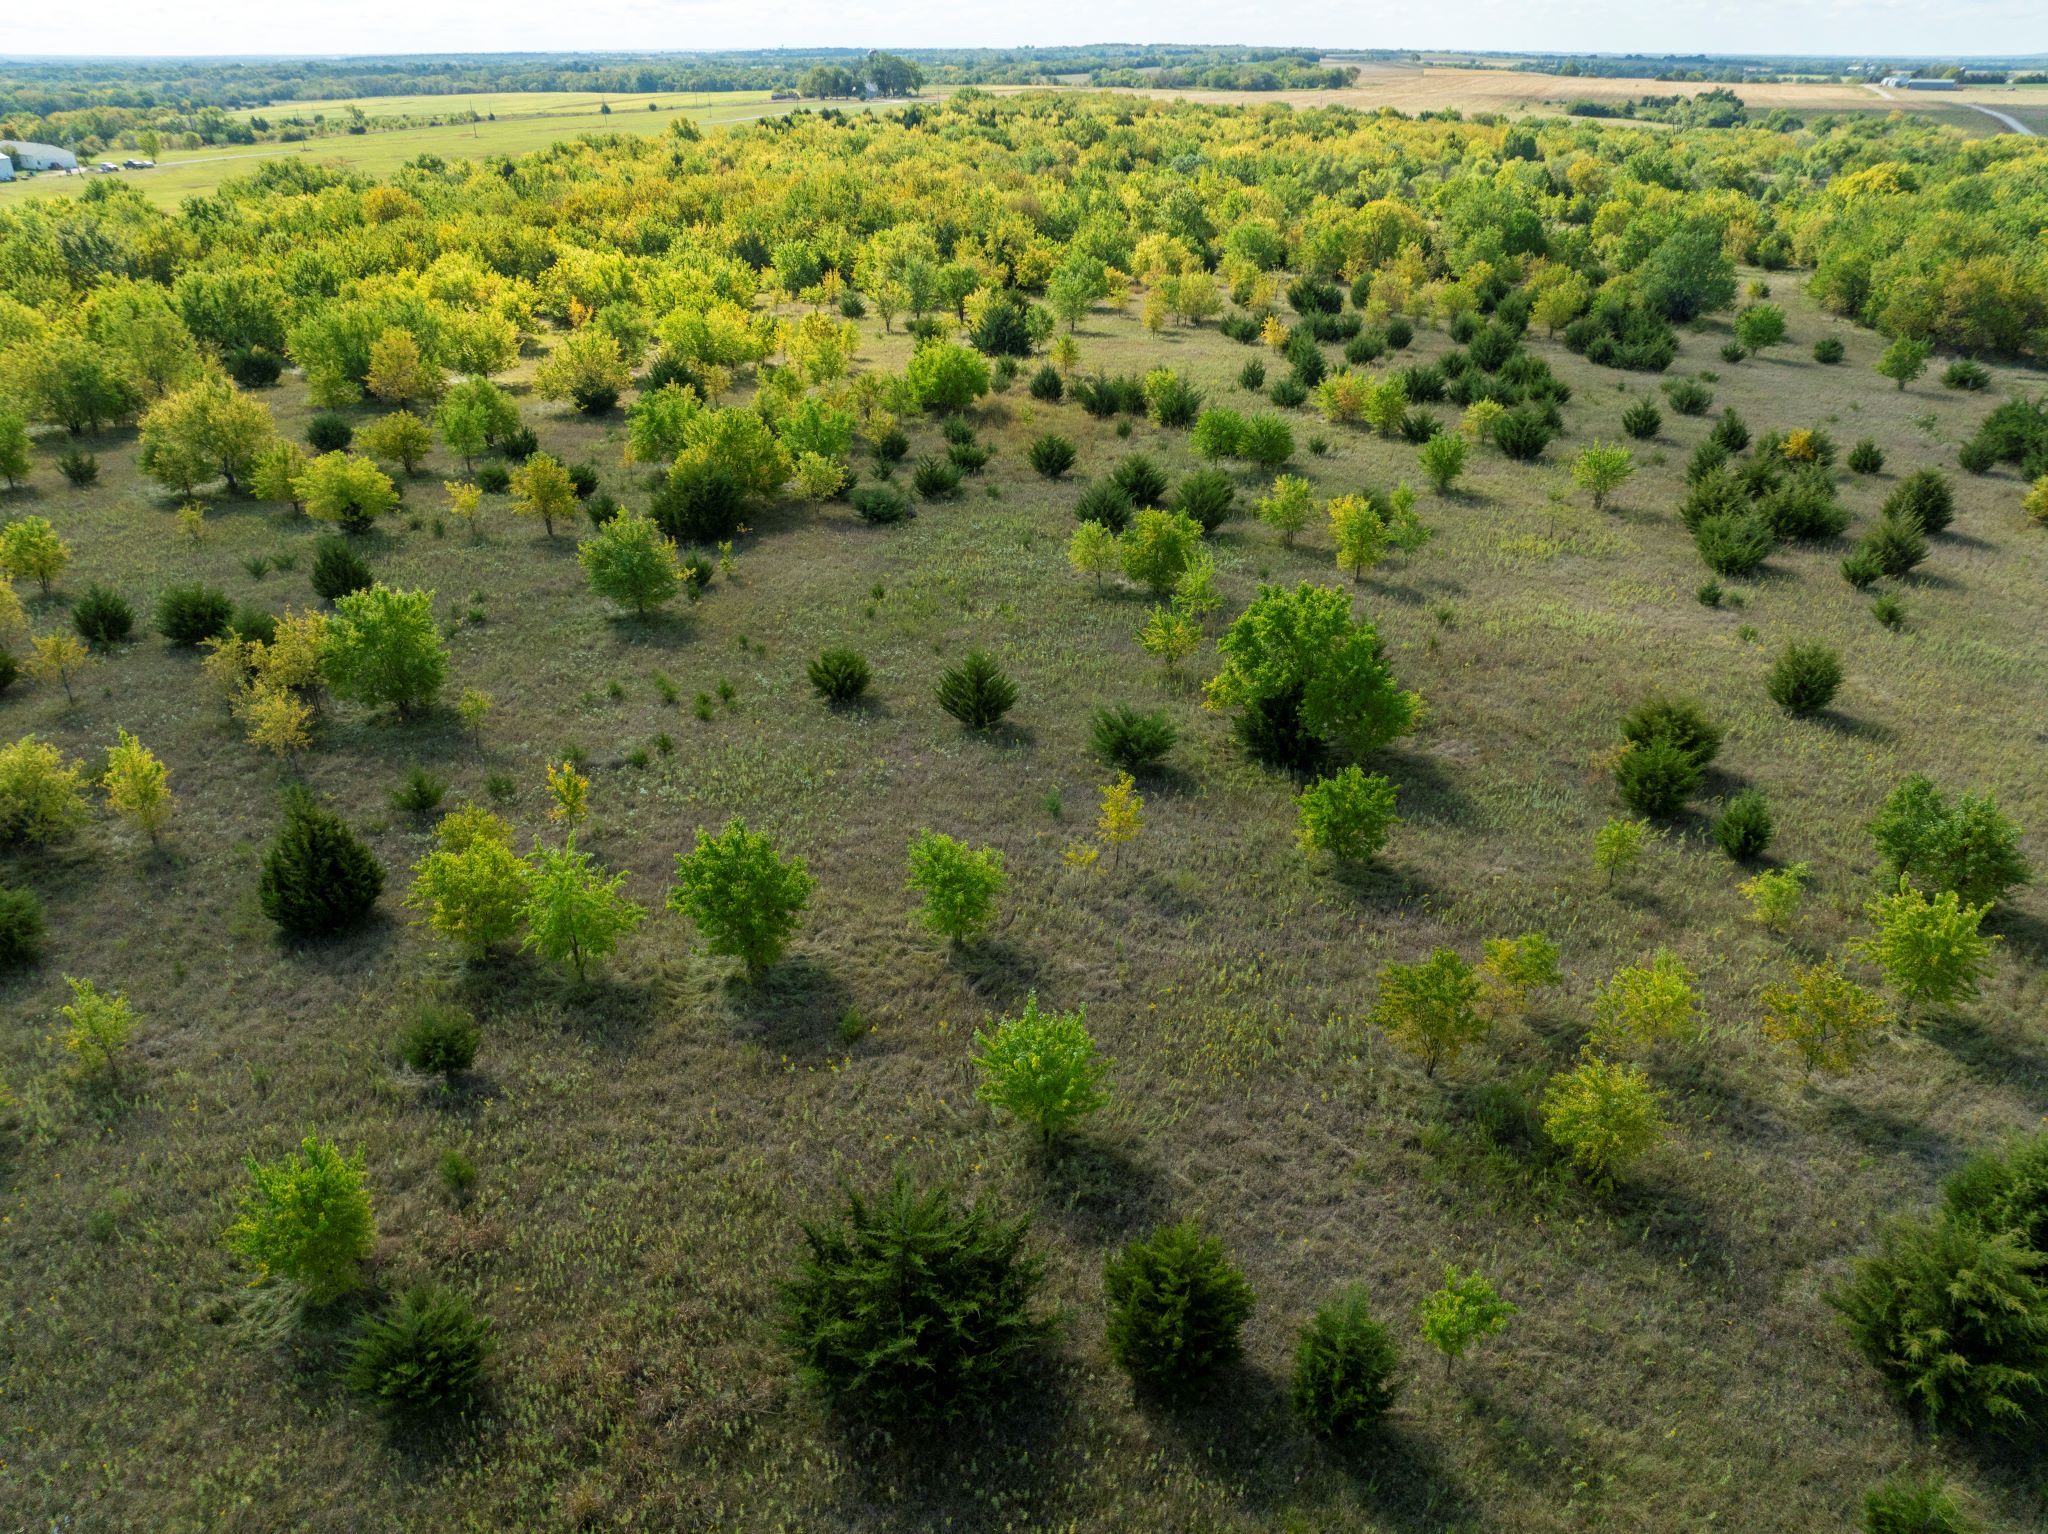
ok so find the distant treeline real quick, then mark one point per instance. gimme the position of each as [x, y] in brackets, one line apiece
[1732, 69]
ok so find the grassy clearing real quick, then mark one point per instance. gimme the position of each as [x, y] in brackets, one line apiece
[647, 1142]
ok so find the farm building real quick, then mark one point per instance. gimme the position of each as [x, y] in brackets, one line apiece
[40, 156]
[1908, 83]
[6, 168]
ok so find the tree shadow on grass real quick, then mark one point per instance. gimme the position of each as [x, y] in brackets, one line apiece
[795, 1007]
[1427, 791]
[1887, 1133]
[1993, 1054]
[1098, 1192]
[2023, 931]
[1382, 885]
[1666, 1218]
[996, 969]
[663, 628]
[1853, 727]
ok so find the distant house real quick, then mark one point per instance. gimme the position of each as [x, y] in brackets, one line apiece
[40, 156]
[6, 168]
[1908, 83]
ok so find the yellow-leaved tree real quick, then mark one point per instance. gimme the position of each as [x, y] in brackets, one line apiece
[138, 786]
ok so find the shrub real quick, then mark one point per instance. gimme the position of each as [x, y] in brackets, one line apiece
[1824, 1017]
[1252, 376]
[1046, 384]
[1805, 507]
[423, 1354]
[1344, 1363]
[493, 478]
[839, 676]
[1141, 480]
[1924, 499]
[1176, 1307]
[880, 505]
[1656, 778]
[1173, 402]
[1041, 1068]
[1159, 547]
[1804, 678]
[1267, 441]
[1132, 741]
[631, 562]
[41, 796]
[1734, 545]
[936, 479]
[1744, 828]
[190, 615]
[318, 877]
[384, 650]
[1964, 847]
[1347, 815]
[944, 375]
[472, 887]
[1827, 351]
[1107, 503]
[1866, 457]
[519, 443]
[1930, 949]
[1430, 1009]
[1967, 376]
[1051, 455]
[1906, 1506]
[1689, 397]
[1522, 435]
[977, 692]
[21, 928]
[1305, 677]
[418, 793]
[1443, 460]
[1603, 1116]
[306, 1220]
[329, 432]
[959, 884]
[102, 617]
[1955, 1318]
[2004, 1190]
[80, 468]
[1208, 497]
[699, 502]
[338, 569]
[745, 899]
[440, 1040]
[908, 1309]
[1892, 548]
[1679, 721]
[1464, 1311]
[1642, 420]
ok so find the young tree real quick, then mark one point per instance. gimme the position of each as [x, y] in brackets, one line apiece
[1603, 1116]
[207, 429]
[57, 658]
[138, 786]
[1041, 1068]
[1618, 846]
[13, 449]
[1930, 949]
[943, 375]
[1966, 846]
[573, 913]
[1307, 677]
[30, 550]
[1466, 1310]
[1824, 1017]
[277, 471]
[1602, 471]
[1177, 1307]
[1286, 507]
[632, 562]
[42, 797]
[1123, 814]
[383, 649]
[959, 884]
[1512, 968]
[306, 1220]
[1644, 1003]
[1093, 551]
[1758, 327]
[1170, 637]
[1443, 460]
[101, 1029]
[398, 373]
[465, 426]
[1347, 815]
[346, 488]
[745, 899]
[1430, 1009]
[472, 887]
[400, 437]
[542, 488]
[1904, 360]
[587, 369]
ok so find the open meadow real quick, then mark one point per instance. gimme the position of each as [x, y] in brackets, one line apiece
[620, 1179]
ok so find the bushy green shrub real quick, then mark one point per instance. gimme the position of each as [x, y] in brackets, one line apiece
[1966, 375]
[189, 615]
[1866, 457]
[1642, 420]
[1252, 376]
[1656, 778]
[1924, 499]
[422, 1355]
[338, 569]
[959, 884]
[1176, 1307]
[440, 1040]
[329, 432]
[1689, 397]
[78, 467]
[419, 792]
[936, 479]
[1744, 827]
[1347, 815]
[1956, 1319]
[880, 504]
[1680, 721]
[1046, 385]
[102, 617]
[21, 927]
[1106, 502]
[2004, 1191]
[1804, 678]
[745, 898]
[699, 502]
[318, 877]
[1964, 846]
[1734, 545]
[1892, 548]
[1804, 508]
[907, 1309]
[839, 675]
[977, 692]
[1141, 480]
[1522, 435]
[1042, 1068]
[1344, 1368]
[1827, 351]
[1051, 455]
[1908, 1505]
[1130, 740]
[306, 1220]
[1207, 496]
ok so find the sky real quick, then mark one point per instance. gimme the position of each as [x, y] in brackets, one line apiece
[1855, 28]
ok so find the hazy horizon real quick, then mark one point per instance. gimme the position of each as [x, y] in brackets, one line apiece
[1867, 29]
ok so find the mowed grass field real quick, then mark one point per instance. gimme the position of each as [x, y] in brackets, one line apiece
[649, 1141]
[499, 103]
[379, 152]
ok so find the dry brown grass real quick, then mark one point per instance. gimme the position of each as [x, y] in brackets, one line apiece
[648, 1142]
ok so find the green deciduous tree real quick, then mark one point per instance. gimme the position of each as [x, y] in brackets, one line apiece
[1431, 1009]
[1604, 1116]
[306, 1220]
[959, 884]
[384, 650]
[745, 899]
[574, 913]
[632, 562]
[1347, 814]
[1042, 1068]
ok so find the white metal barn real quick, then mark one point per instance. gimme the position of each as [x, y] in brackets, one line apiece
[39, 156]
[6, 168]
